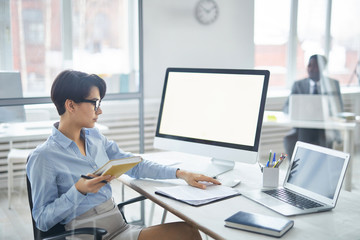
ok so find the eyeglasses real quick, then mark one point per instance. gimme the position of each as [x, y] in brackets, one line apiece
[96, 103]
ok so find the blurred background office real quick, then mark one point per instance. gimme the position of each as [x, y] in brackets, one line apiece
[130, 44]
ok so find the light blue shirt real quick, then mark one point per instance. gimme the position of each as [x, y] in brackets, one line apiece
[56, 165]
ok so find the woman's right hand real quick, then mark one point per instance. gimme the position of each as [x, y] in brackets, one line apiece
[85, 186]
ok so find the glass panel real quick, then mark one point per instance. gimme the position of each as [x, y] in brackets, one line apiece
[345, 46]
[271, 33]
[102, 42]
[311, 33]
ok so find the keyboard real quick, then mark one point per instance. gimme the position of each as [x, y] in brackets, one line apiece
[292, 198]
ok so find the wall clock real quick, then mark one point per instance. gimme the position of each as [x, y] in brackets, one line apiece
[206, 11]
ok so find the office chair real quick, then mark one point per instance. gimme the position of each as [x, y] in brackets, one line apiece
[58, 231]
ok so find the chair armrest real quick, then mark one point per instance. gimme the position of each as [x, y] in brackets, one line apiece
[133, 200]
[97, 232]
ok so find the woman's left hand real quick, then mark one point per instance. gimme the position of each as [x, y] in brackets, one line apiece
[193, 179]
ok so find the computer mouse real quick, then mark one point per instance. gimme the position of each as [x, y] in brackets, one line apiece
[230, 182]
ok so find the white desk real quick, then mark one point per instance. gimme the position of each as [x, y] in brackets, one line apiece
[275, 118]
[340, 223]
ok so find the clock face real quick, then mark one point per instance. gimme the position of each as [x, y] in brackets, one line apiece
[206, 11]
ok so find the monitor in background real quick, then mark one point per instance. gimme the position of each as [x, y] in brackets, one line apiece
[11, 87]
[213, 112]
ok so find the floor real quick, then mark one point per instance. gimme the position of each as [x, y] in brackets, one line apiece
[15, 223]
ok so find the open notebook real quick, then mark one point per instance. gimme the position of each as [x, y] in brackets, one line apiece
[312, 183]
[196, 196]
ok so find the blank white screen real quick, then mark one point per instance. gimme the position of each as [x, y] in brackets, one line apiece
[215, 107]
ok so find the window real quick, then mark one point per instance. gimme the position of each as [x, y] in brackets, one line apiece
[101, 42]
[271, 34]
[345, 42]
[88, 35]
[311, 33]
[33, 26]
[340, 43]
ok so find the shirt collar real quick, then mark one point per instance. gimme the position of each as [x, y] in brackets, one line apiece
[312, 83]
[60, 138]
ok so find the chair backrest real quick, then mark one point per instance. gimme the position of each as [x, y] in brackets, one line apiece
[38, 234]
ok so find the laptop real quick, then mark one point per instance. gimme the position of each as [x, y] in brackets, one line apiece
[312, 183]
[309, 107]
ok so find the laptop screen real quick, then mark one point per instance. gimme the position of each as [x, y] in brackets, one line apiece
[315, 171]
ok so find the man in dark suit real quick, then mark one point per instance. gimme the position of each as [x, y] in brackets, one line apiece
[315, 83]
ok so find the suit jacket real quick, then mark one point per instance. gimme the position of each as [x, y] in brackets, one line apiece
[328, 87]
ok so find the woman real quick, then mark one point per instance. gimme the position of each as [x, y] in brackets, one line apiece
[74, 148]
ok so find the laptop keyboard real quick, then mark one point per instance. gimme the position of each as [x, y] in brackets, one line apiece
[292, 198]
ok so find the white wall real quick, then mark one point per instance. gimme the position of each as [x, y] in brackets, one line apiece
[174, 38]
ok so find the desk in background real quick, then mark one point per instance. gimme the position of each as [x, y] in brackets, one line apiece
[275, 118]
[340, 223]
[23, 131]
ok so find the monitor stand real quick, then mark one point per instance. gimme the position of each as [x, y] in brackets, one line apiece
[218, 167]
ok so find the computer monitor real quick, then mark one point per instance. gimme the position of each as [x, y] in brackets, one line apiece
[11, 87]
[213, 112]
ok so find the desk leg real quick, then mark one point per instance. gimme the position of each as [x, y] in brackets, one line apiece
[142, 206]
[10, 176]
[348, 147]
[164, 216]
[10, 182]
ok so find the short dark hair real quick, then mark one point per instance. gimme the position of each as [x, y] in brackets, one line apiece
[74, 85]
[318, 58]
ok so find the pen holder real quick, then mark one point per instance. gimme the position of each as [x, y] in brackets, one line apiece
[270, 177]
